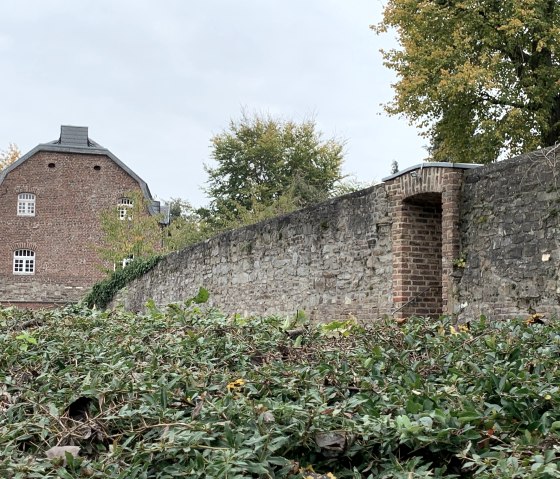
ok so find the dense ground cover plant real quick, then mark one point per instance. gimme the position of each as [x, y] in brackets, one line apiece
[188, 392]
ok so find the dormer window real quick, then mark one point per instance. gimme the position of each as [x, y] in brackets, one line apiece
[125, 205]
[26, 204]
[24, 261]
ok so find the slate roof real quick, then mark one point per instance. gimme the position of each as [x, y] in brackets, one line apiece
[75, 139]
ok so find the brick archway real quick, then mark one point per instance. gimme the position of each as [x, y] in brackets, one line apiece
[421, 259]
[424, 208]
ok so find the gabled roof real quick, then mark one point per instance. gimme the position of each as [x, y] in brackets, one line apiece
[75, 139]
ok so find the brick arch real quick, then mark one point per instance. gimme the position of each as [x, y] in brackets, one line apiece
[26, 189]
[26, 245]
[424, 208]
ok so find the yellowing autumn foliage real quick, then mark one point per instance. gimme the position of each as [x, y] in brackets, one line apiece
[136, 236]
[9, 156]
[480, 77]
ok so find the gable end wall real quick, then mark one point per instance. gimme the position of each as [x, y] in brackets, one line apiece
[65, 229]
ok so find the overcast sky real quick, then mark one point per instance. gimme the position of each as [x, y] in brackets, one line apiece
[155, 80]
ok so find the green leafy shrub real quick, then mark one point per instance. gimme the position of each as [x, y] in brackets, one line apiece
[103, 292]
[182, 392]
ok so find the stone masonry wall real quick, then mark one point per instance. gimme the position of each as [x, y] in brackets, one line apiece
[331, 260]
[510, 237]
[376, 251]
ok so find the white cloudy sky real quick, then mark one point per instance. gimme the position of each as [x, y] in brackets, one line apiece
[155, 80]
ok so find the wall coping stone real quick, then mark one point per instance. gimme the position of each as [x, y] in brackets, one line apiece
[420, 166]
[519, 160]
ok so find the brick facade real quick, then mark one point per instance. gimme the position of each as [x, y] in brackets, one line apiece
[425, 213]
[72, 184]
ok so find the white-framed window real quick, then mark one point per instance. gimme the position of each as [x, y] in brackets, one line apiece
[127, 261]
[24, 261]
[125, 205]
[124, 263]
[26, 204]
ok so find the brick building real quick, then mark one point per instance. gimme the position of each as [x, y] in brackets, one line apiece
[50, 205]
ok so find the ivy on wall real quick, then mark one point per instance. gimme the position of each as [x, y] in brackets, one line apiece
[103, 292]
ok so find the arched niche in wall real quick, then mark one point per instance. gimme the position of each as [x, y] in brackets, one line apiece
[422, 265]
[424, 208]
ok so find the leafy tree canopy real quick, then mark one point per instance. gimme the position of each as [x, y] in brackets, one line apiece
[481, 77]
[259, 158]
[9, 156]
[129, 231]
[186, 226]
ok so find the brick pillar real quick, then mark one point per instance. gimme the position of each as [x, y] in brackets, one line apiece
[425, 239]
[401, 249]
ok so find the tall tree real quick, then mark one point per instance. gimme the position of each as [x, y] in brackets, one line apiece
[129, 231]
[9, 156]
[186, 226]
[480, 77]
[260, 158]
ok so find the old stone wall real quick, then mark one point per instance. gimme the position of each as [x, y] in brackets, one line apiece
[510, 232]
[433, 239]
[330, 260]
